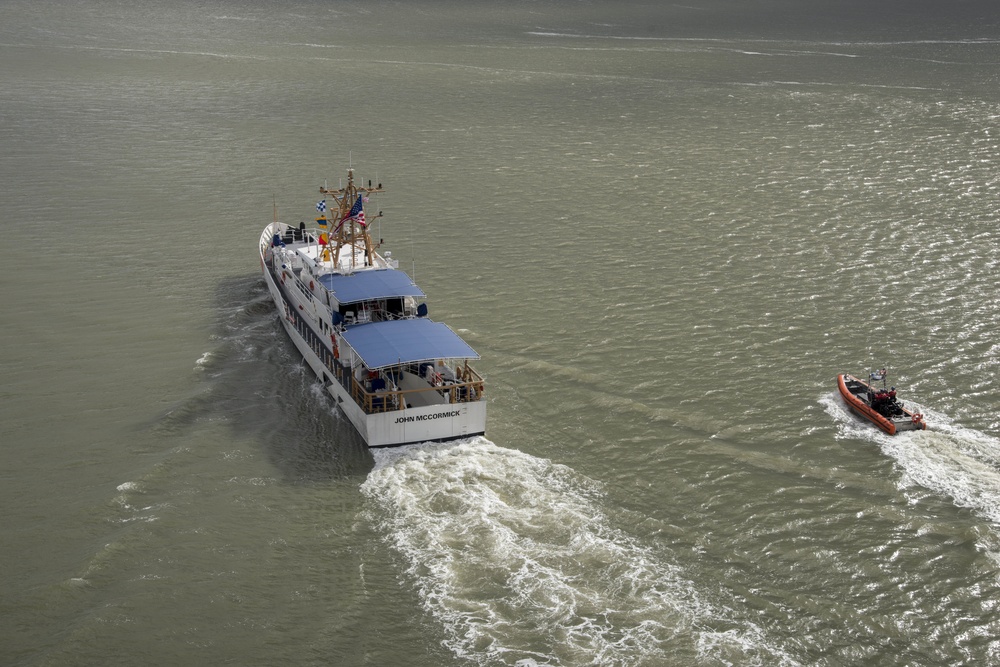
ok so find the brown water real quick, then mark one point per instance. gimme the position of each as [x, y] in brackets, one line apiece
[665, 230]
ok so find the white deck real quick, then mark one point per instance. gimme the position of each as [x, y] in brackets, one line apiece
[348, 261]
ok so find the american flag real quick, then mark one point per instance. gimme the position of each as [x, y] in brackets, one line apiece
[357, 213]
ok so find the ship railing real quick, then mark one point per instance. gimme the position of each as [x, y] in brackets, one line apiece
[389, 400]
[375, 312]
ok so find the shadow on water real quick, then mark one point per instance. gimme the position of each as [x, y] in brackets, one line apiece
[255, 381]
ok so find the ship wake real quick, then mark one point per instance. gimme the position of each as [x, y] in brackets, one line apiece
[949, 460]
[514, 557]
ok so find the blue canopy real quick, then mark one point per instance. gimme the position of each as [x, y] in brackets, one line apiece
[370, 284]
[381, 344]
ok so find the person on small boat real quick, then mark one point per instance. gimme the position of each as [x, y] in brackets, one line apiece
[881, 403]
[892, 394]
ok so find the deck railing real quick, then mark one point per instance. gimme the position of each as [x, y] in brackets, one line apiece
[389, 400]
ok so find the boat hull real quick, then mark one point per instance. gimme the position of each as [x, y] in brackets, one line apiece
[907, 421]
[411, 425]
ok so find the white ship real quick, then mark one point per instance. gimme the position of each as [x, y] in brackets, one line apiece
[361, 324]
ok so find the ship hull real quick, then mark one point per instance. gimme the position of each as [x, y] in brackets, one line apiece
[854, 392]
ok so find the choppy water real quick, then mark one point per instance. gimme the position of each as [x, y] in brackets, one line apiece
[666, 230]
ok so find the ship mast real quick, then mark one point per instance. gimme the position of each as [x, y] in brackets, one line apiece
[350, 226]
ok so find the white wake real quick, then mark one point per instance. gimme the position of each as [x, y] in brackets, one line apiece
[514, 556]
[959, 463]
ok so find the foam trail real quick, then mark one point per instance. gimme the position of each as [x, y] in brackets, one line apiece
[514, 556]
[949, 460]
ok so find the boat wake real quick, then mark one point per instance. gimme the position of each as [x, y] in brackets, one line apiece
[949, 460]
[514, 557]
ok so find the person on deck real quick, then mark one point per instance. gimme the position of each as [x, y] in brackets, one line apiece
[445, 371]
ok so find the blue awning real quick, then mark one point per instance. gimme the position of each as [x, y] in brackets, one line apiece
[371, 284]
[381, 344]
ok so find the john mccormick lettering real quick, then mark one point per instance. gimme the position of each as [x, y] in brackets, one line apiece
[420, 418]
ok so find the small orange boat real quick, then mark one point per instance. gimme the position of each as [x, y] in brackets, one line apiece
[878, 405]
